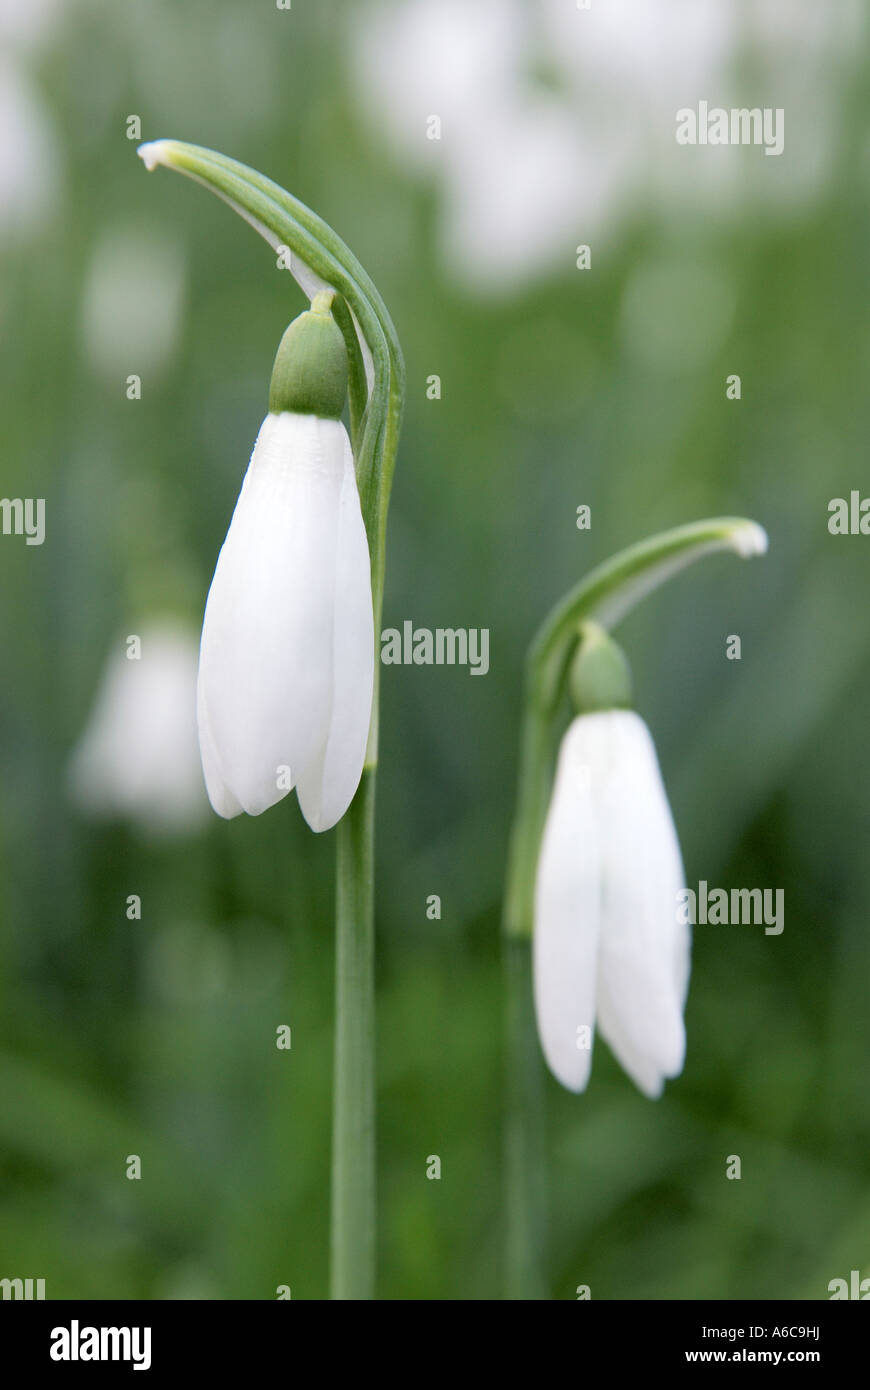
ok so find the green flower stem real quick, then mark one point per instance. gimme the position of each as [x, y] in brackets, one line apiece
[352, 1272]
[376, 400]
[605, 596]
[357, 387]
[525, 1166]
[533, 791]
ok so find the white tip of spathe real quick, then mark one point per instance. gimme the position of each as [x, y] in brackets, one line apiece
[749, 539]
[154, 152]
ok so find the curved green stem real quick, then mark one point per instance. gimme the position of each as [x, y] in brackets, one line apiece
[320, 260]
[616, 587]
[357, 386]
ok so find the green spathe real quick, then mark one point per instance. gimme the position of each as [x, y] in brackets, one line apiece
[600, 678]
[310, 372]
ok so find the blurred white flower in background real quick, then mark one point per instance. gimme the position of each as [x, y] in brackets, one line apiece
[27, 22]
[30, 162]
[132, 301]
[557, 122]
[138, 758]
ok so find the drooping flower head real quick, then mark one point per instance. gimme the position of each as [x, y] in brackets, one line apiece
[287, 655]
[609, 953]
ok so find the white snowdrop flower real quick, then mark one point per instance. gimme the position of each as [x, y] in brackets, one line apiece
[132, 301]
[558, 122]
[502, 152]
[137, 757]
[287, 654]
[609, 952]
[30, 170]
[26, 26]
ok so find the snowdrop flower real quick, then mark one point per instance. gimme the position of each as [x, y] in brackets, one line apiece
[287, 655]
[138, 756]
[132, 301]
[31, 171]
[608, 949]
[528, 168]
[29, 158]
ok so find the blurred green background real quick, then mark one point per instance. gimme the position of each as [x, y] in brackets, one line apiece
[560, 387]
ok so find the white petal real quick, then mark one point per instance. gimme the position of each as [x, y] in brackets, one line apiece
[267, 656]
[643, 963]
[219, 794]
[642, 1069]
[567, 913]
[327, 785]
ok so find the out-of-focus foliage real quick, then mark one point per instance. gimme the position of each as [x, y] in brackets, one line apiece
[156, 1036]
